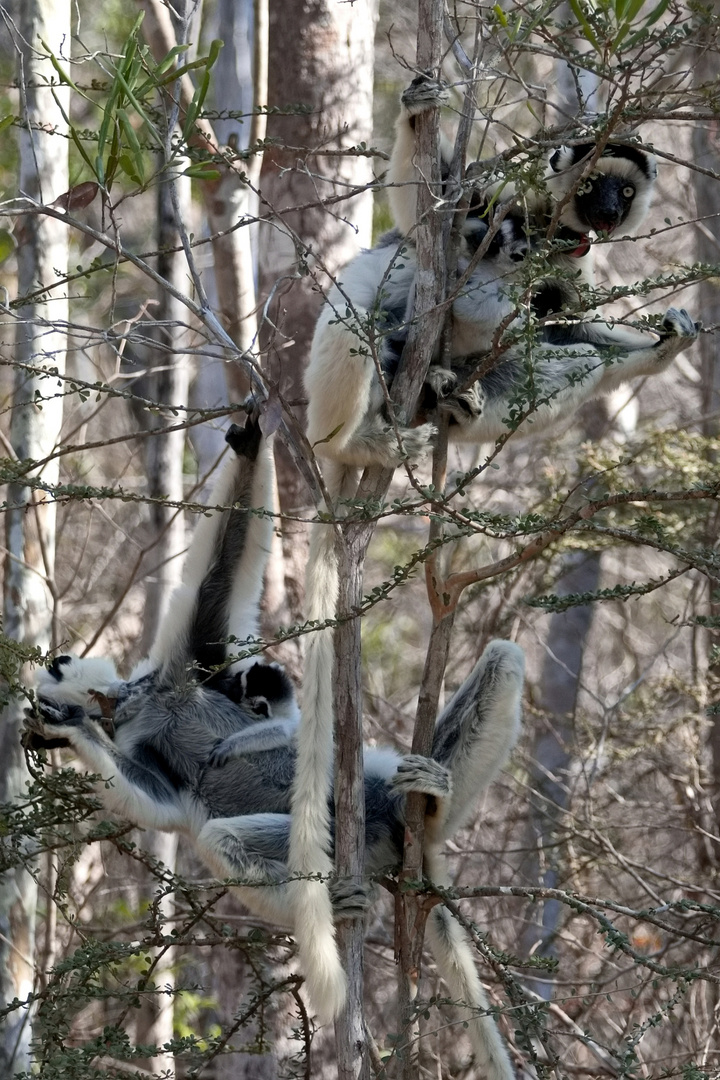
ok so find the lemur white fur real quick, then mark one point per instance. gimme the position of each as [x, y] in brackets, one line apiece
[360, 330]
[237, 816]
[175, 757]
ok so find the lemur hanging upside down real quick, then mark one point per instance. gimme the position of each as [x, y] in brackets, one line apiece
[543, 377]
[188, 749]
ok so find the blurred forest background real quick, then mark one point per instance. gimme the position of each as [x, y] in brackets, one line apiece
[172, 211]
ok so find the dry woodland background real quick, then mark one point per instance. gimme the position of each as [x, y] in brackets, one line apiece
[204, 217]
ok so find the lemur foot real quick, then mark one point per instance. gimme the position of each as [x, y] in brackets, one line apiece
[52, 720]
[350, 900]
[464, 406]
[418, 773]
[220, 754]
[416, 442]
[424, 93]
[677, 323]
[245, 441]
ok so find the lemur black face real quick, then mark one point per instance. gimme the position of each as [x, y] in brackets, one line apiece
[603, 202]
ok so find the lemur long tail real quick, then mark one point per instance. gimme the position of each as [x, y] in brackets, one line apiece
[453, 955]
[310, 839]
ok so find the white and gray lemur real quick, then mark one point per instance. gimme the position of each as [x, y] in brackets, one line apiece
[544, 378]
[173, 750]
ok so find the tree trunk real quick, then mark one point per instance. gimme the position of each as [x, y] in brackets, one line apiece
[320, 56]
[167, 384]
[566, 637]
[706, 154]
[30, 519]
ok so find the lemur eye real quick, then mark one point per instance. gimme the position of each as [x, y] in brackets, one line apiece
[628, 191]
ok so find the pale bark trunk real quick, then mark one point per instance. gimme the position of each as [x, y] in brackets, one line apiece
[706, 154]
[225, 203]
[167, 384]
[30, 522]
[320, 55]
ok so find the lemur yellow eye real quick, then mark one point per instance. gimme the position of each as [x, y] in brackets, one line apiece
[628, 191]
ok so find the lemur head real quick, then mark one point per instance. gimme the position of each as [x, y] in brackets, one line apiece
[73, 680]
[510, 241]
[615, 197]
[264, 689]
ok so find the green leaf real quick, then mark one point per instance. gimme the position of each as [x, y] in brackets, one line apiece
[585, 25]
[202, 171]
[133, 143]
[7, 244]
[6, 122]
[170, 59]
[128, 166]
[657, 13]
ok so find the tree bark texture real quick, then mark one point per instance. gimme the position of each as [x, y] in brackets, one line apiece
[566, 638]
[321, 58]
[35, 430]
[706, 154]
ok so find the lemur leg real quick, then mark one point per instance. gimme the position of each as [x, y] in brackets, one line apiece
[345, 398]
[479, 727]
[679, 331]
[256, 848]
[224, 566]
[423, 93]
[463, 406]
[134, 789]
[416, 773]
[570, 375]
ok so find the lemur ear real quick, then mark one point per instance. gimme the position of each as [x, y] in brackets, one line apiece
[562, 159]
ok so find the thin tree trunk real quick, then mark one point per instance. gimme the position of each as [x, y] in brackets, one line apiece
[706, 154]
[167, 384]
[30, 520]
[566, 637]
[225, 203]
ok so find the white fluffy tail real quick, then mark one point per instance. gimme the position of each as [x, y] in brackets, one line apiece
[453, 955]
[310, 839]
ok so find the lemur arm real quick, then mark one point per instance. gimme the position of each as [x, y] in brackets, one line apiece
[260, 737]
[134, 789]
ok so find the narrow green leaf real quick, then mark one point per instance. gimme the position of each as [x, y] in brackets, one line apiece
[6, 122]
[215, 46]
[140, 110]
[7, 244]
[64, 77]
[82, 151]
[500, 15]
[128, 165]
[657, 13]
[202, 171]
[108, 119]
[134, 144]
[633, 10]
[170, 59]
[585, 25]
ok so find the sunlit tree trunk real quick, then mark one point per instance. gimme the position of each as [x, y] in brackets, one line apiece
[320, 56]
[167, 384]
[35, 429]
